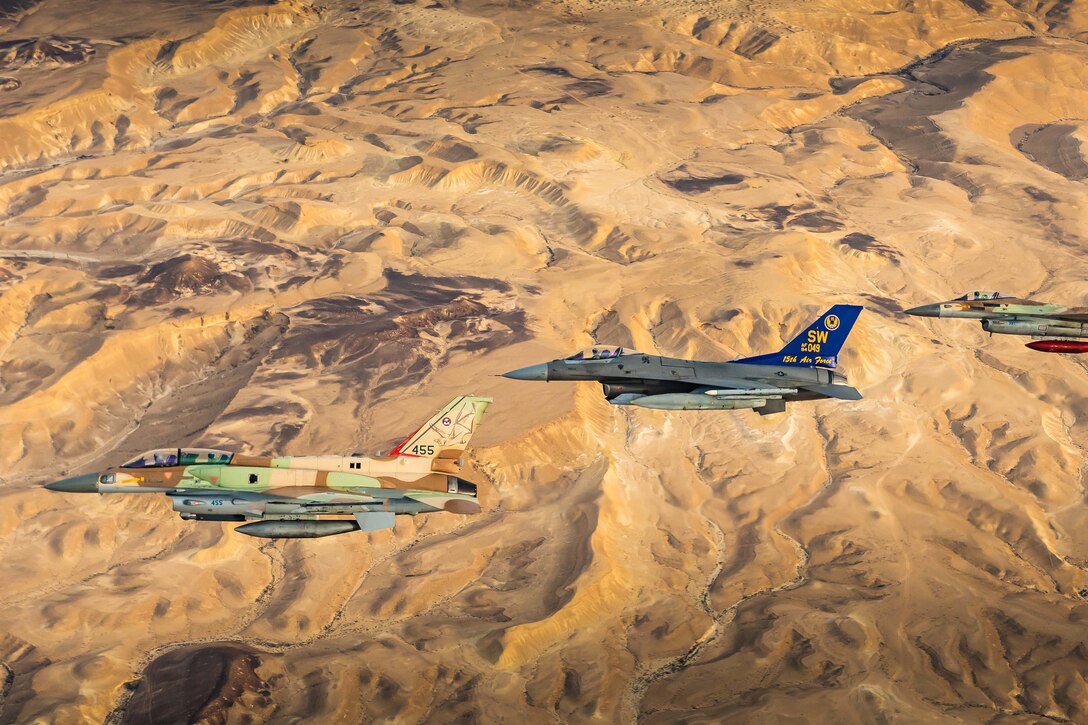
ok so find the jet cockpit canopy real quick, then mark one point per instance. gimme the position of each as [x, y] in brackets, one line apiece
[981, 296]
[601, 352]
[163, 457]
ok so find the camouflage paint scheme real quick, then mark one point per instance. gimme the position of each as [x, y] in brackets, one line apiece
[802, 370]
[287, 496]
[1055, 328]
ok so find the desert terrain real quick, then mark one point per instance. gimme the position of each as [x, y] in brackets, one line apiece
[301, 227]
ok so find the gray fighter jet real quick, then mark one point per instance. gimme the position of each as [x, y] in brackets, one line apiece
[802, 370]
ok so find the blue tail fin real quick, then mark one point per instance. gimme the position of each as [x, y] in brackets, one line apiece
[818, 345]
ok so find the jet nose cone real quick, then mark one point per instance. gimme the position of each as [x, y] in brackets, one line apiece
[925, 311]
[87, 483]
[532, 372]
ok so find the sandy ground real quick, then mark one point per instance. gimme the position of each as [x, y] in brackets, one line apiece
[301, 227]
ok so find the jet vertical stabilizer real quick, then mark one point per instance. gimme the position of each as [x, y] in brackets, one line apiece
[447, 433]
[818, 345]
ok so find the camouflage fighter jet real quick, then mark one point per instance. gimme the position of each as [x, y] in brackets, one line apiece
[802, 370]
[307, 496]
[1055, 328]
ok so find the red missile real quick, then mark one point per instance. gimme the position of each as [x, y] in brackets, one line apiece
[1066, 346]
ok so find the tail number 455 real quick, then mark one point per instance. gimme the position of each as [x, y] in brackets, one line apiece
[422, 450]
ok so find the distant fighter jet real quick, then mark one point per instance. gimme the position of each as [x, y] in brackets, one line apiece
[292, 496]
[799, 371]
[1052, 326]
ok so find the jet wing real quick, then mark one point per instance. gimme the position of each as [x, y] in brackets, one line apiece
[1012, 313]
[1071, 315]
[842, 392]
[712, 382]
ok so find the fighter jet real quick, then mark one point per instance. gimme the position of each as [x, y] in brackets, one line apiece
[1055, 328]
[802, 370]
[296, 497]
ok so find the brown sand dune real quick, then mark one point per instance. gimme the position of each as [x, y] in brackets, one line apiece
[299, 227]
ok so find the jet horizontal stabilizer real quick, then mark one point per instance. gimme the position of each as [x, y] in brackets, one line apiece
[772, 407]
[842, 392]
[375, 520]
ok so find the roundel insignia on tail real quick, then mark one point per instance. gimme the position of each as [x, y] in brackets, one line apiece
[831, 322]
[446, 421]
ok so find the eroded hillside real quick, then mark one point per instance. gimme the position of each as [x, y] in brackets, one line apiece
[301, 227]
